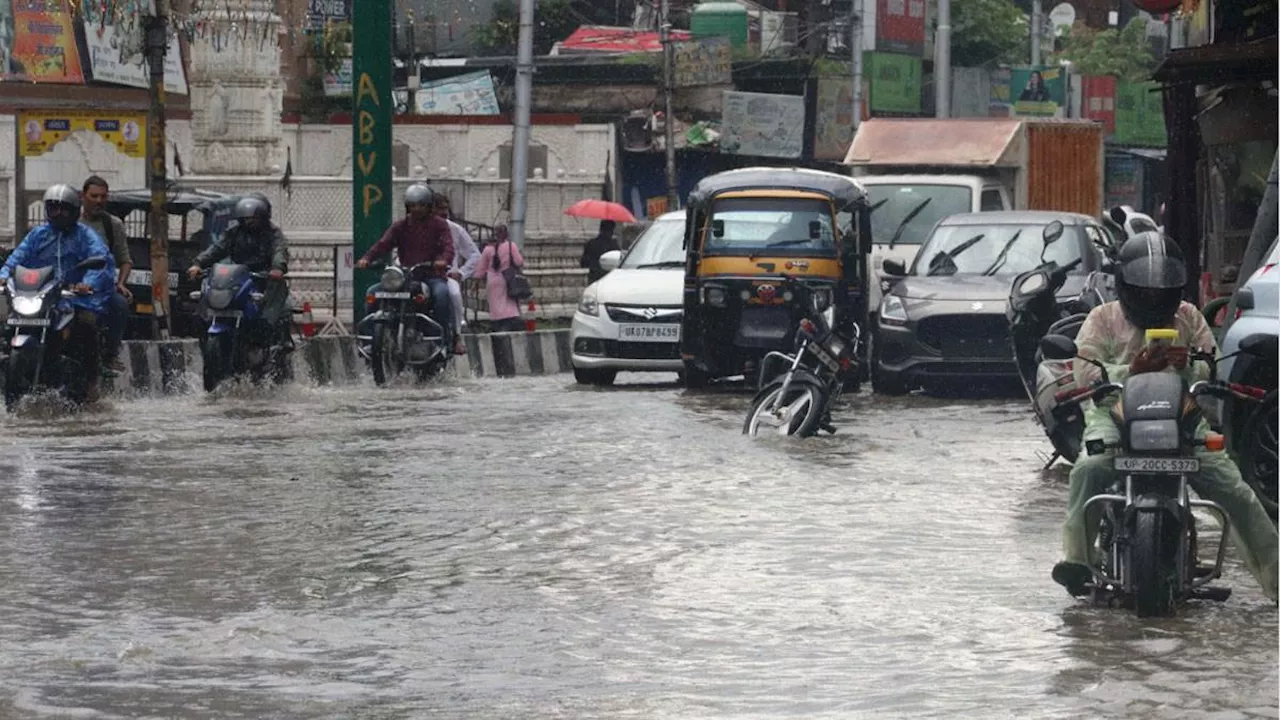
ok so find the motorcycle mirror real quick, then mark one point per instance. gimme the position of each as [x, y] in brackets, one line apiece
[1032, 284]
[1117, 215]
[1260, 345]
[1244, 299]
[1053, 231]
[93, 263]
[815, 229]
[1058, 347]
[894, 267]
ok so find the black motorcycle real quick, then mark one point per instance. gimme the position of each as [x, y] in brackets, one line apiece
[798, 401]
[239, 340]
[37, 335]
[1035, 311]
[398, 331]
[1148, 530]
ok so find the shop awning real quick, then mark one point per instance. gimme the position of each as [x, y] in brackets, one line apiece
[1219, 64]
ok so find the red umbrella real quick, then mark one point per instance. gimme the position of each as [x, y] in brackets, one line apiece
[600, 210]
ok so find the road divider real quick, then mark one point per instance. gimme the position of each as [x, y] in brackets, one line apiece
[173, 367]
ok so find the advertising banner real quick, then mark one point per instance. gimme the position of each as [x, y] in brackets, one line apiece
[833, 126]
[895, 83]
[705, 61]
[1099, 101]
[323, 12]
[763, 124]
[1037, 91]
[1140, 115]
[470, 94]
[39, 130]
[900, 26]
[44, 43]
[117, 48]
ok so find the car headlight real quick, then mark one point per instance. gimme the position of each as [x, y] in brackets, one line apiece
[821, 299]
[893, 311]
[588, 305]
[714, 296]
[27, 305]
[392, 279]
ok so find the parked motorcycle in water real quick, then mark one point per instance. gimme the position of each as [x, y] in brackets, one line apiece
[38, 331]
[239, 340]
[1035, 311]
[398, 332]
[799, 400]
[1150, 558]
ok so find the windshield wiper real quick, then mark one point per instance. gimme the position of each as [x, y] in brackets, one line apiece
[1003, 256]
[951, 254]
[902, 226]
[877, 206]
[664, 263]
[782, 243]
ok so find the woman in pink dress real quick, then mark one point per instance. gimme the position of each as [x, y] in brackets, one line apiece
[504, 313]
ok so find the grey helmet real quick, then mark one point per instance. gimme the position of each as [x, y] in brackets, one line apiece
[1150, 276]
[252, 207]
[65, 196]
[265, 201]
[418, 194]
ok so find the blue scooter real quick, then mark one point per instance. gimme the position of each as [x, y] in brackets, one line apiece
[239, 340]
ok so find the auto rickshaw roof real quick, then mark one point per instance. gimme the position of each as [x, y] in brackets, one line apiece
[178, 201]
[842, 188]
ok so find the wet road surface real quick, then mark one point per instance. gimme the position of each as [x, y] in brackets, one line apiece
[527, 548]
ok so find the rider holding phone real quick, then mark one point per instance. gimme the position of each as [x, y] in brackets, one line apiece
[1150, 277]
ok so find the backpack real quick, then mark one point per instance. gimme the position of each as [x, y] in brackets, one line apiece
[518, 287]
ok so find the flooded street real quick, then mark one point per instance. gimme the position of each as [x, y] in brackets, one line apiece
[528, 548]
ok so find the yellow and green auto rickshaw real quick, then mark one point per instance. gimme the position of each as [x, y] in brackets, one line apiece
[747, 229]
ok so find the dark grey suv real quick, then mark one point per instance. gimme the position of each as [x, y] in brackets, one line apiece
[944, 322]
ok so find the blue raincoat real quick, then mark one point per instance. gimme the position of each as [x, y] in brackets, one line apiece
[46, 246]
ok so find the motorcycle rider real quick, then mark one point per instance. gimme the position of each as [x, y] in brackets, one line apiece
[254, 241]
[465, 257]
[63, 243]
[95, 193]
[422, 236]
[1150, 277]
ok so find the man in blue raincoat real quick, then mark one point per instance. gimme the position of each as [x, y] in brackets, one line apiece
[63, 243]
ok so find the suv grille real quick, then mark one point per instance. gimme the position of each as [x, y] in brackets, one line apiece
[967, 336]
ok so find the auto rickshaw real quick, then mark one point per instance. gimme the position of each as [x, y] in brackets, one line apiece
[204, 216]
[746, 229]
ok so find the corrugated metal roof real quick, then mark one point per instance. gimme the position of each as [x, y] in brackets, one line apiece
[978, 142]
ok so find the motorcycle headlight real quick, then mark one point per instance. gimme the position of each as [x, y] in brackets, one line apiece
[893, 311]
[1032, 284]
[821, 299]
[714, 296]
[392, 279]
[588, 304]
[1148, 435]
[28, 305]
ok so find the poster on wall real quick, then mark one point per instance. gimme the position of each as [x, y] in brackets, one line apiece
[833, 126]
[1140, 115]
[44, 43]
[895, 83]
[705, 61]
[1098, 100]
[115, 44]
[763, 124]
[470, 94]
[999, 105]
[40, 130]
[1037, 91]
[900, 26]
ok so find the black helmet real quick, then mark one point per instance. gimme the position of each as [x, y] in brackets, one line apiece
[252, 207]
[265, 201]
[1150, 277]
[63, 197]
[418, 194]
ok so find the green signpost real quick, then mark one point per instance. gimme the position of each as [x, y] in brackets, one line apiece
[895, 82]
[372, 112]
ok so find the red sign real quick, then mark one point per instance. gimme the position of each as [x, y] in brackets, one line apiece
[1098, 100]
[900, 26]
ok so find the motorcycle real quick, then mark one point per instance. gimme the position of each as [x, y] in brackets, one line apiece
[1148, 530]
[398, 331]
[39, 326]
[238, 340]
[1035, 311]
[799, 400]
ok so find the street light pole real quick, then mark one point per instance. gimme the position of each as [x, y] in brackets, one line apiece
[942, 61]
[855, 48]
[1037, 19]
[669, 121]
[157, 36]
[520, 136]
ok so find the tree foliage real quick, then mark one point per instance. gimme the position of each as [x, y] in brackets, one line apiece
[987, 32]
[553, 21]
[1124, 54]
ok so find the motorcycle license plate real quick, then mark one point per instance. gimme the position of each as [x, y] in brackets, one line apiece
[28, 322]
[1157, 465]
[391, 295]
[143, 278]
[822, 354]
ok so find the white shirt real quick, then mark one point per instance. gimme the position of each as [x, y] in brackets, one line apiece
[465, 252]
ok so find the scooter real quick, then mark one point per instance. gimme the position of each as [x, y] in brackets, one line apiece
[798, 401]
[38, 330]
[239, 341]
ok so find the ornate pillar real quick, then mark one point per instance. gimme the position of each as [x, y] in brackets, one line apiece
[237, 92]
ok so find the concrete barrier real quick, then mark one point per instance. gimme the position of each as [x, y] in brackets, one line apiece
[174, 367]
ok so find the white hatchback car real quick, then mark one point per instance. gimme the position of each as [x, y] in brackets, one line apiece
[630, 318]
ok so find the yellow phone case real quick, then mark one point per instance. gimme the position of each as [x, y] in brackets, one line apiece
[1162, 336]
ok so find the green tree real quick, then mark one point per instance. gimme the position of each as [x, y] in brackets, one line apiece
[553, 21]
[988, 32]
[1124, 54]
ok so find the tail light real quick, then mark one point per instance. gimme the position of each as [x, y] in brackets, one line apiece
[806, 325]
[1214, 442]
[370, 299]
[420, 299]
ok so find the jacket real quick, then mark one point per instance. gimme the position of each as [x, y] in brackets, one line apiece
[269, 251]
[46, 246]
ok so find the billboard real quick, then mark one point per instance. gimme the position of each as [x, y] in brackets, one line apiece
[763, 124]
[116, 47]
[705, 61]
[44, 43]
[895, 83]
[900, 26]
[39, 131]
[1037, 91]
[1140, 115]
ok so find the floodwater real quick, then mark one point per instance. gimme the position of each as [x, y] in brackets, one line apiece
[526, 548]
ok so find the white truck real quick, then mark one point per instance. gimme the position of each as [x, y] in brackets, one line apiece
[918, 171]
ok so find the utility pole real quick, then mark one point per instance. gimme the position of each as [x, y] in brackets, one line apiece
[855, 47]
[668, 115]
[942, 61]
[1037, 19]
[157, 36]
[520, 136]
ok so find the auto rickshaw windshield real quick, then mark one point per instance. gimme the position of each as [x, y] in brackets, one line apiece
[761, 225]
